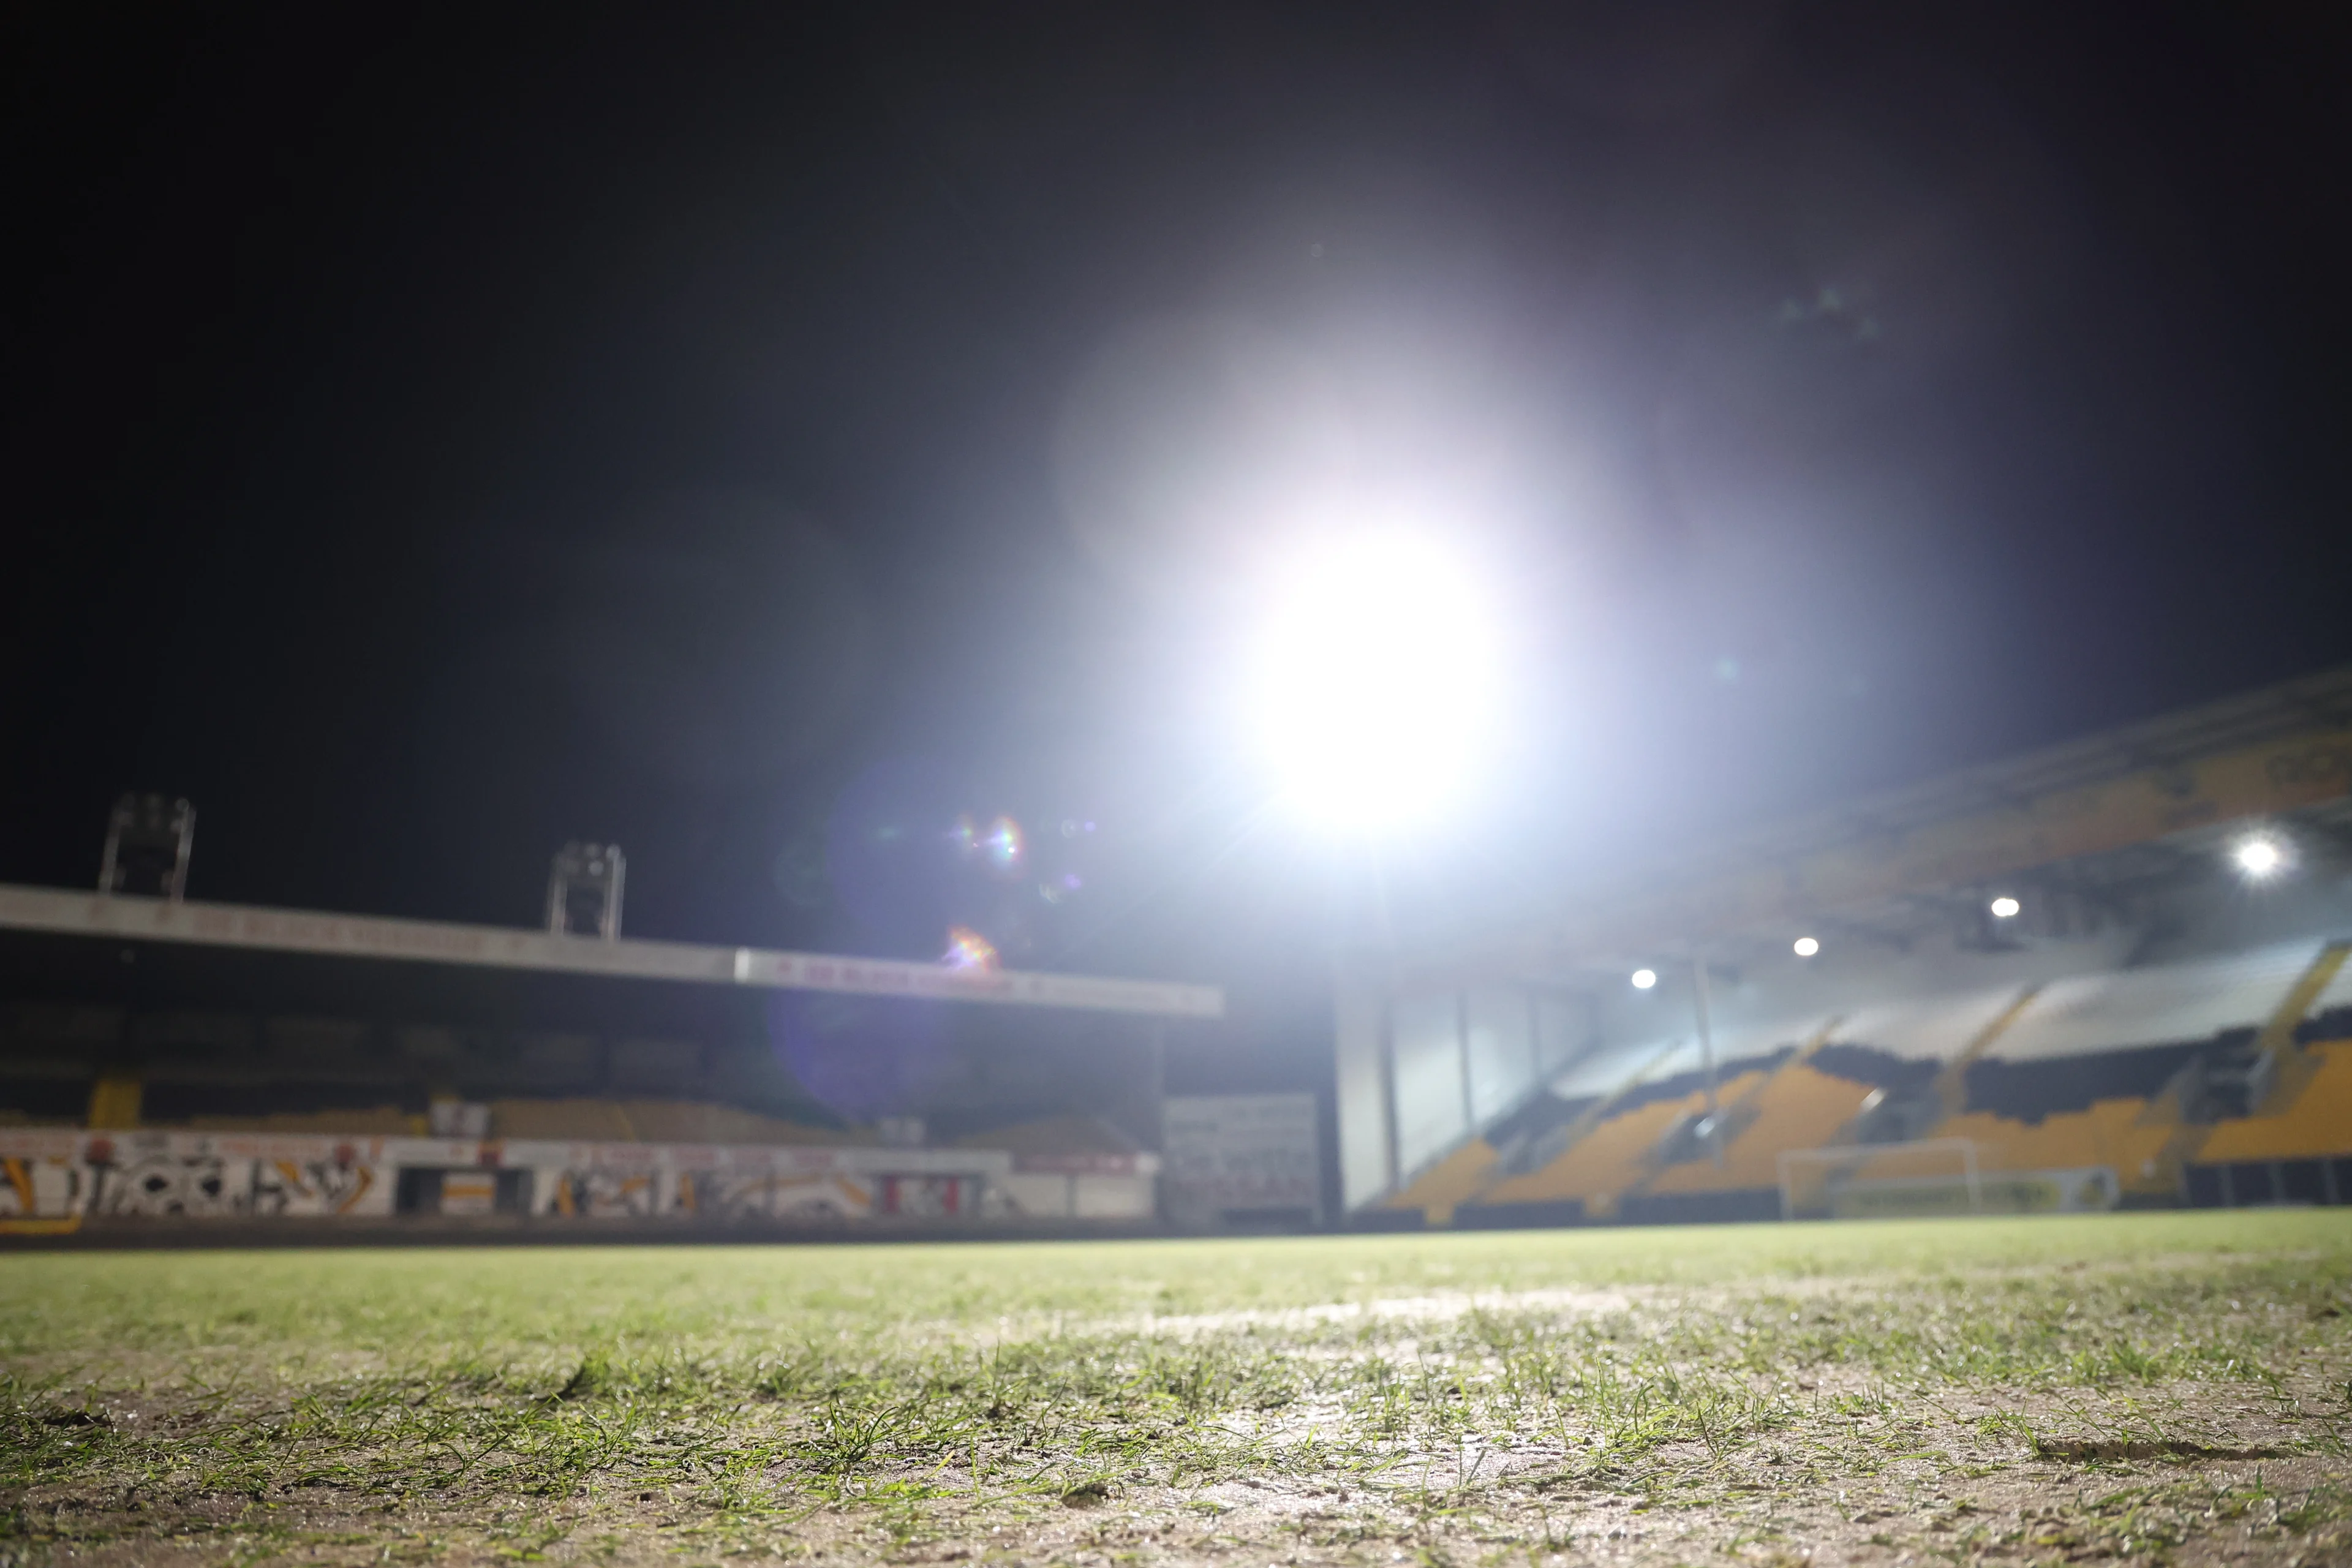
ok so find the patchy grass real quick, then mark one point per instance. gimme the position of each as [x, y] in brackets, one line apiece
[2133, 1388]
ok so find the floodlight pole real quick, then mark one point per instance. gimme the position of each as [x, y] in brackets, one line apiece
[1155, 1086]
[1159, 1068]
[1705, 1053]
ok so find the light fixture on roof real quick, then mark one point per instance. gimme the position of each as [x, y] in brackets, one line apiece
[1645, 978]
[1807, 946]
[2260, 857]
[2005, 908]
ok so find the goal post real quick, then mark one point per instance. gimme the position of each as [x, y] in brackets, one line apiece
[1927, 1174]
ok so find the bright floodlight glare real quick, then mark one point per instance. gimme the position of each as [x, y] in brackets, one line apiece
[1645, 978]
[1807, 946]
[2005, 908]
[2259, 858]
[1375, 686]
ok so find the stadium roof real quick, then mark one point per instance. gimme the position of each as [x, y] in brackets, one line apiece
[2100, 815]
[120, 917]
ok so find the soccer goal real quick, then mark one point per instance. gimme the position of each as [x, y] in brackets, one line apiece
[1930, 1175]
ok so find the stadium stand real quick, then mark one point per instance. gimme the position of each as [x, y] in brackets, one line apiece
[1541, 1130]
[2117, 956]
[2316, 1122]
[2117, 1072]
[1454, 1180]
[1915, 1054]
[2296, 1145]
[1622, 1131]
[2129, 1032]
[1600, 1128]
[1794, 1106]
[2132, 1086]
[2331, 1010]
[143, 1081]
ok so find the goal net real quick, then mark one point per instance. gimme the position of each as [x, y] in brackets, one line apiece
[1929, 1176]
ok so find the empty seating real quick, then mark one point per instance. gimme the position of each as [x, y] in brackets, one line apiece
[2171, 1007]
[1450, 1182]
[2316, 1122]
[2096, 1088]
[1616, 1153]
[2115, 1133]
[1799, 1107]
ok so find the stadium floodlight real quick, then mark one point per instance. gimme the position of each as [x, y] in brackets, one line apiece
[1645, 978]
[583, 890]
[1375, 685]
[2005, 908]
[147, 842]
[2259, 858]
[1807, 946]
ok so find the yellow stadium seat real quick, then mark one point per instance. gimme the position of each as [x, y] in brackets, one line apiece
[1799, 1109]
[1602, 1163]
[2317, 1122]
[1453, 1180]
[2112, 1132]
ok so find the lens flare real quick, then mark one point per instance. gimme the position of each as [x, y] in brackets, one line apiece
[967, 949]
[864, 1056]
[1000, 844]
[1003, 845]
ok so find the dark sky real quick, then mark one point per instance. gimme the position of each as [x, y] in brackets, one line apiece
[432, 434]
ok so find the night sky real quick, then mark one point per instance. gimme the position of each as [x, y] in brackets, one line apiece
[762, 436]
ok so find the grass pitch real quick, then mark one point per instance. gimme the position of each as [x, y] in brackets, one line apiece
[2132, 1388]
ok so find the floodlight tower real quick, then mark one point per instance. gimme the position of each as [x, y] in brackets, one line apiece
[1375, 684]
[583, 890]
[148, 840]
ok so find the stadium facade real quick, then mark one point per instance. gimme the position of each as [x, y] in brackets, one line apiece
[167, 1058]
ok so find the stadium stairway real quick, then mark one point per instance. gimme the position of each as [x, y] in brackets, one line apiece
[1591, 1175]
[1590, 1166]
[1901, 1073]
[2182, 1053]
[2302, 1153]
[2283, 1066]
[1884, 1119]
[2294, 1142]
[1795, 1106]
[2237, 1105]
[1937, 1110]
